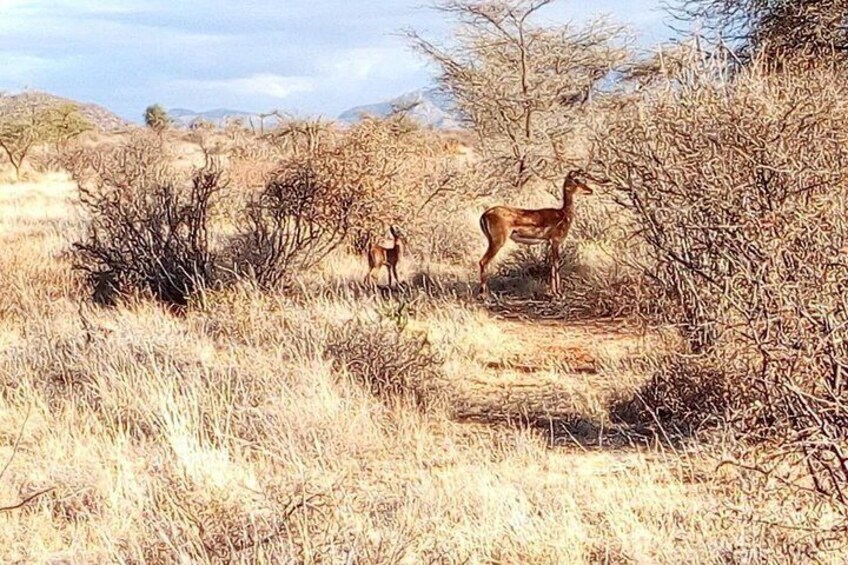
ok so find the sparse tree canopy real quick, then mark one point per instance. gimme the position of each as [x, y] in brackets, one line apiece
[814, 30]
[67, 123]
[518, 83]
[22, 130]
[156, 118]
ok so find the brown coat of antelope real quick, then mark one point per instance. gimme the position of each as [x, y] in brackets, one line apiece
[388, 256]
[531, 227]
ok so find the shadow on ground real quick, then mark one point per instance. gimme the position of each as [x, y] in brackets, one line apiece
[518, 298]
[570, 429]
[514, 297]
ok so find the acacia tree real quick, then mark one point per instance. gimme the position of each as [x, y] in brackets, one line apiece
[22, 130]
[520, 85]
[66, 123]
[777, 30]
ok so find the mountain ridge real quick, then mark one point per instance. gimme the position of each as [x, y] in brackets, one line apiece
[184, 117]
[429, 106]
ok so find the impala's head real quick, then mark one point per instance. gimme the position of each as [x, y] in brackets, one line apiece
[575, 183]
[397, 235]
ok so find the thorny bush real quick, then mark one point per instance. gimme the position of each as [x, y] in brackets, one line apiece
[738, 185]
[157, 227]
[292, 224]
[154, 239]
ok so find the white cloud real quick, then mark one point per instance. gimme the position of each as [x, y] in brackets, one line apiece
[263, 84]
[368, 63]
[357, 64]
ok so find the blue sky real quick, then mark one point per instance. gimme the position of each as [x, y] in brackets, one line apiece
[303, 56]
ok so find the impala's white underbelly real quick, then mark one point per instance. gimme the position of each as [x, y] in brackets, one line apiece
[525, 240]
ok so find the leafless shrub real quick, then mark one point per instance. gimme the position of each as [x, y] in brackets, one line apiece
[685, 394]
[778, 32]
[157, 241]
[254, 154]
[398, 173]
[395, 173]
[301, 137]
[591, 287]
[148, 231]
[143, 159]
[292, 224]
[738, 187]
[345, 189]
[390, 163]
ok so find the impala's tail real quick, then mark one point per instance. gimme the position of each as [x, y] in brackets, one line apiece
[484, 225]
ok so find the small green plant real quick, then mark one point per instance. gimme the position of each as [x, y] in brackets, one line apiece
[397, 313]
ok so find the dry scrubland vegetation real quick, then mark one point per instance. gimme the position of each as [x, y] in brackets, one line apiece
[192, 371]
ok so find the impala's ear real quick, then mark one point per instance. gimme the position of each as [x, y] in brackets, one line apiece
[569, 178]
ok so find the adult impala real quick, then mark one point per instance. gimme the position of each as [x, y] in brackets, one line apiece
[530, 227]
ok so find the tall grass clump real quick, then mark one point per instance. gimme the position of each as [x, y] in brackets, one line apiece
[388, 360]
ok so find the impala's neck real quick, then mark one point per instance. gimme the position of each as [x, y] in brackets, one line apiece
[567, 200]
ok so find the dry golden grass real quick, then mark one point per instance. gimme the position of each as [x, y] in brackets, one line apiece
[231, 435]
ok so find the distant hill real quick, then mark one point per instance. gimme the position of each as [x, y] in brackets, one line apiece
[184, 117]
[100, 117]
[432, 108]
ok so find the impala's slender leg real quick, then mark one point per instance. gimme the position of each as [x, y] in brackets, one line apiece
[394, 270]
[496, 241]
[389, 269]
[555, 267]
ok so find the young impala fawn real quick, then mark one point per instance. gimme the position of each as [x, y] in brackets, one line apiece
[388, 256]
[531, 227]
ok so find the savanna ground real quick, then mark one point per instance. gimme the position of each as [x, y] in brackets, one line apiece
[192, 370]
[233, 433]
